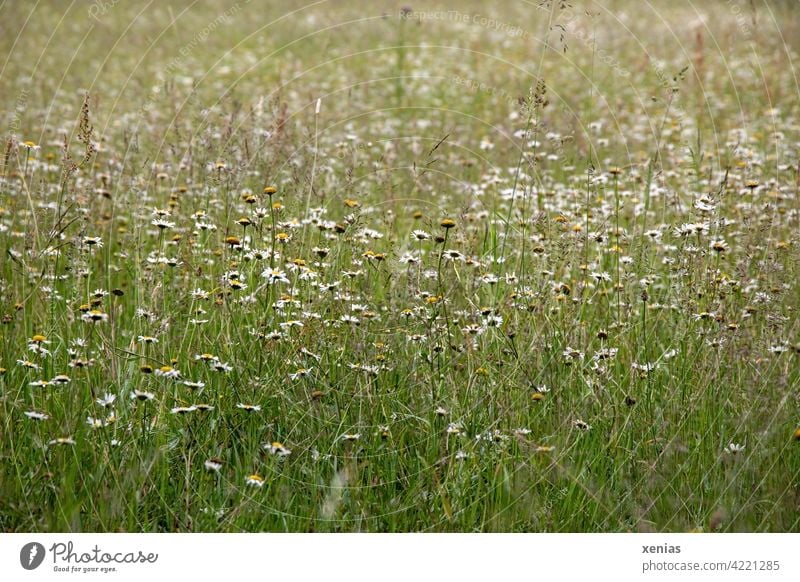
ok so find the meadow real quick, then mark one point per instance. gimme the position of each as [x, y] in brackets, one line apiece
[354, 266]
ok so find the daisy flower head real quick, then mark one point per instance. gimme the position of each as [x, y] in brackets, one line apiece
[213, 464]
[300, 373]
[162, 224]
[92, 242]
[278, 449]
[582, 426]
[420, 235]
[94, 316]
[61, 441]
[255, 480]
[142, 396]
[107, 400]
[36, 415]
[274, 276]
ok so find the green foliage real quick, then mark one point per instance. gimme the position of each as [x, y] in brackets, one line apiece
[605, 339]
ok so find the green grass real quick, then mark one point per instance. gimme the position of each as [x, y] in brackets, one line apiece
[658, 352]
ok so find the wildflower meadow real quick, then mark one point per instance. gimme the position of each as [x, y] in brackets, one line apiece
[525, 266]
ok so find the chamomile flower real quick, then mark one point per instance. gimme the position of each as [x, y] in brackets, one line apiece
[183, 409]
[453, 255]
[719, 245]
[107, 400]
[168, 372]
[39, 349]
[28, 364]
[92, 242]
[254, 480]
[473, 329]
[605, 354]
[300, 373]
[571, 355]
[493, 321]
[420, 235]
[409, 259]
[213, 464]
[61, 441]
[200, 295]
[454, 428]
[142, 396]
[219, 366]
[36, 415]
[100, 422]
[646, 368]
[94, 316]
[781, 348]
[162, 224]
[582, 426]
[274, 276]
[278, 449]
